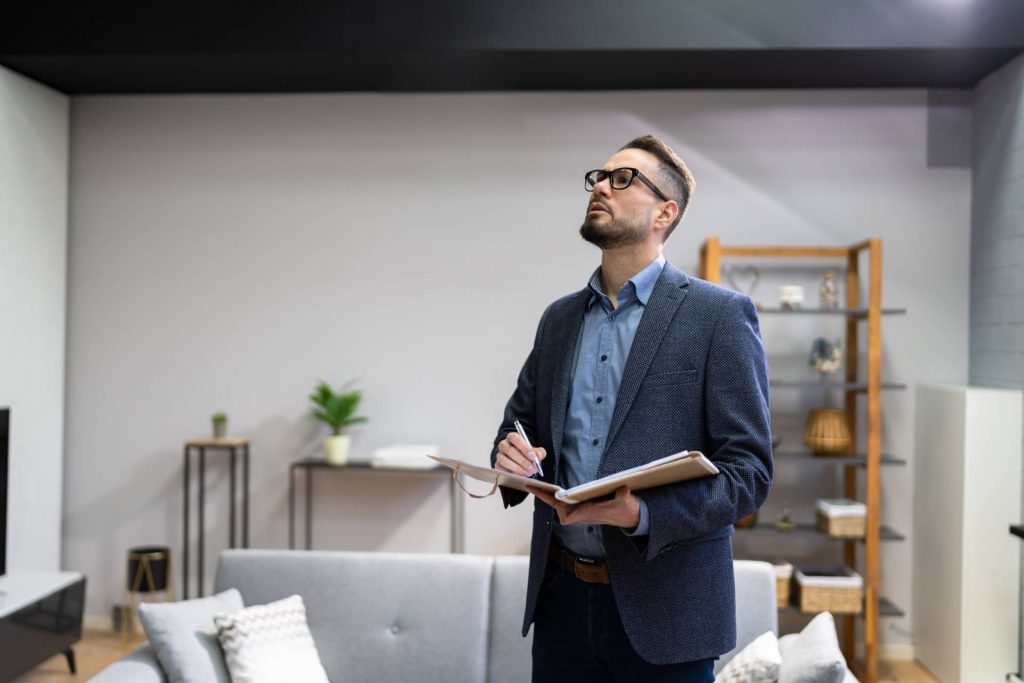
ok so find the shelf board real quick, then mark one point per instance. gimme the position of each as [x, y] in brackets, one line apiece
[858, 459]
[885, 532]
[886, 608]
[852, 312]
[847, 386]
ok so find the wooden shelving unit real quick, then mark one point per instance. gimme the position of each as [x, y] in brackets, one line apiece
[852, 386]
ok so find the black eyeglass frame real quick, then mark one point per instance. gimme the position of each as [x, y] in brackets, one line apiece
[601, 174]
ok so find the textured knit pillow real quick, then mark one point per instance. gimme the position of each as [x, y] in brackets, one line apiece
[270, 644]
[758, 662]
[184, 637]
[814, 655]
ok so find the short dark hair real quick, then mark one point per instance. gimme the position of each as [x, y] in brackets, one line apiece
[676, 180]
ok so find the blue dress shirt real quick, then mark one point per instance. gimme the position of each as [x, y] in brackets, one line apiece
[601, 353]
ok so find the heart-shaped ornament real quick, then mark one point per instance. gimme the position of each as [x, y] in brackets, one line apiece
[743, 278]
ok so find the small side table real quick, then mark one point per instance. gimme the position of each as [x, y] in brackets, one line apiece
[311, 464]
[236, 446]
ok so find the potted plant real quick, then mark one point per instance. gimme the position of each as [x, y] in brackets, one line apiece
[220, 425]
[337, 410]
[785, 522]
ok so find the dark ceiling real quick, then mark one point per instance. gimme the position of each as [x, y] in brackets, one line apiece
[458, 45]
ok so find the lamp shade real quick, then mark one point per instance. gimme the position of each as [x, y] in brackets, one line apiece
[826, 432]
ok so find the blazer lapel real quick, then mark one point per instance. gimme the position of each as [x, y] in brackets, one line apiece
[564, 344]
[669, 292]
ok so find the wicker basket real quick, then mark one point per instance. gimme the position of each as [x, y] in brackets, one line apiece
[783, 578]
[839, 590]
[841, 518]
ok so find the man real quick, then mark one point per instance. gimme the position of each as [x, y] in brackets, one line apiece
[642, 363]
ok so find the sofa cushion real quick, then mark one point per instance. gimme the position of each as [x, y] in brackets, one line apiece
[813, 656]
[758, 662]
[270, 644]
[510, 659]
[378, 616]
[185, 638]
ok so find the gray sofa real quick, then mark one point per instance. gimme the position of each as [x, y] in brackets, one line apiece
[416, 617]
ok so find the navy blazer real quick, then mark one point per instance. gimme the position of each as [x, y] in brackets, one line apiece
[696, 379]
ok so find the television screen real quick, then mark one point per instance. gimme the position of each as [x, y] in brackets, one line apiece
[5, 432]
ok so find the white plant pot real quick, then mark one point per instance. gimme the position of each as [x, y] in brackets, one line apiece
[336, 449]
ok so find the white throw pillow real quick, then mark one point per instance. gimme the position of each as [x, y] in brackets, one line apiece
[758, 662]
[270, 644]
[814, 655]
[184, 637]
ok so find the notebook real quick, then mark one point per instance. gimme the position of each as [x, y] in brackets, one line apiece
[668, 470]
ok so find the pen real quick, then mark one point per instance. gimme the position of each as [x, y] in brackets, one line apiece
[522, 433]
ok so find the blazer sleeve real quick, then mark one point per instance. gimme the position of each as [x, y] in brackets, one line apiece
[739, 437]
[522, 406]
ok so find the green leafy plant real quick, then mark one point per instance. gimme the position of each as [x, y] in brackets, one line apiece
[219, 417]
[336, 409]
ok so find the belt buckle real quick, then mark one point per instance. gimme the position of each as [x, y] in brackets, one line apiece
[580, 567]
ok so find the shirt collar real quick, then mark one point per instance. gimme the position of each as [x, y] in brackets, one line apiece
[643, 282]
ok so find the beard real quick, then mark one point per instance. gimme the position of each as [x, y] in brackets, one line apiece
[615, 233]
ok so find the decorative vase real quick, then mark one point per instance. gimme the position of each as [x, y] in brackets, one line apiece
[747, 522]
[336, 449]
[827, 432]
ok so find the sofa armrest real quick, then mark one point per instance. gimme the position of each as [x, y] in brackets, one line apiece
[139, 666]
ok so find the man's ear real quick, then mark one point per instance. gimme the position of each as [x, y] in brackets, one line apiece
[667, 214]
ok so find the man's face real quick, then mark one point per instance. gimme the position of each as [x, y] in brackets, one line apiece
[619, 218]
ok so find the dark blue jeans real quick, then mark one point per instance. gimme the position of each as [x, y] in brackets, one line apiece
[578, 636]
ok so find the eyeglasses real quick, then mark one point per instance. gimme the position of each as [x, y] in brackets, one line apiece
[620, 179]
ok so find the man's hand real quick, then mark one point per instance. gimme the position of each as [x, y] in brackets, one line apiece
[514, 456]
[622, 511]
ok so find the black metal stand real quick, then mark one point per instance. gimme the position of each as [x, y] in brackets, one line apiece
[234, 447]
[311, 464]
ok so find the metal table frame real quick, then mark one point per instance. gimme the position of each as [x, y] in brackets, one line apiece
[234, 446]
[456, 537]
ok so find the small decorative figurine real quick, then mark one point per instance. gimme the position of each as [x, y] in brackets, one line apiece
[826, 357]
[829, 291]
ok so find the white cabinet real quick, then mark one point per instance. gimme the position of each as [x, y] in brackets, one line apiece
[967, 493]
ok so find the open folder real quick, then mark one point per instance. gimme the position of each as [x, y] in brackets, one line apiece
[667, 470]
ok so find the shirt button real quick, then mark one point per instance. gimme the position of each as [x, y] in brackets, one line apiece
[596, 441]
[599, 399]
[612, 318]
[604, 358]
[590, 529]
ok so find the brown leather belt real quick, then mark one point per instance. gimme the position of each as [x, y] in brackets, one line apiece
[588, 571]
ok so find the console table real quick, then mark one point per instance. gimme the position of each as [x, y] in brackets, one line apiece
[238, 449]
[40, 616]
[309, 465]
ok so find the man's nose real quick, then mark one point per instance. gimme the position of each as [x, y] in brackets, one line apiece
[603, 188]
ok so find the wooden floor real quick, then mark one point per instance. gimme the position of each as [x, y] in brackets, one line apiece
[97, 649]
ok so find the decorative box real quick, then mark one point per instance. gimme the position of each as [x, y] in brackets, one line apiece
[841, 517]
[783, 577]
[839, 590]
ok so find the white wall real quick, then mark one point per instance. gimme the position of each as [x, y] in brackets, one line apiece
[33, 257]
[227, 251]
